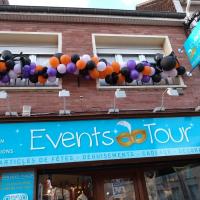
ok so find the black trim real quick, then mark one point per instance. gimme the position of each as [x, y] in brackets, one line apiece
[89, 11]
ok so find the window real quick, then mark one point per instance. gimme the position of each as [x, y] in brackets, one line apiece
[38, 46]
[175, 183]
[122, 48]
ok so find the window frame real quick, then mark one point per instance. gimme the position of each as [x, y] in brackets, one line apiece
[26, 37]
[99, 39]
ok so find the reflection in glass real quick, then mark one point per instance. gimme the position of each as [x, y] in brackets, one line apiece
[119, 189]
[177, 183]
[65, 187]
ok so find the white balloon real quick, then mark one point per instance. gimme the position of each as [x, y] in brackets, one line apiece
[85, 58]
[52, 79]
[62, 68]
[140, 77]
[123, 64]
[173, 73]
[164, 74]
[12, 74]
[152, 71]
[17, 68]
[101, 66]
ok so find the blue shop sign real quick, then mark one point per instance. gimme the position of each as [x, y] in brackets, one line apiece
[17, 185]
[192, 46]
[91, 140]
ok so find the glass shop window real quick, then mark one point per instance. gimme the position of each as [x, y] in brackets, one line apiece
[176, 183]
[119, 189]
[64, 187]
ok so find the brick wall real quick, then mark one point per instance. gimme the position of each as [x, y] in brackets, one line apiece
[157, 5]
[77, 39]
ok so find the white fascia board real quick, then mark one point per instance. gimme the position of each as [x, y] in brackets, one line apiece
[8, 16]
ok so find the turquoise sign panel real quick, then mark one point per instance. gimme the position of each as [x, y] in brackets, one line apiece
[91, 140]
[17, 186]
[192, 46]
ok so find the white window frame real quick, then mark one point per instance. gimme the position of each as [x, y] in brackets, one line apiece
[114, 43]
[51, 42]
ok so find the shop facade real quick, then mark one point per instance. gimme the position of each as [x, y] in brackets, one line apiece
[92, 153]
[113, 158]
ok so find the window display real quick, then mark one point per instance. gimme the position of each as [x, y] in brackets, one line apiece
[176, 183]
[64, 187]
[119, 189]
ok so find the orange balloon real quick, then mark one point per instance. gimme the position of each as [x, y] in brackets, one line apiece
[94, 74]
[121, 79]
[177, 65]
[2, 67]
[147, 70]
[42, 80]
[39, 68]
[95, 59]
[116, 67]
[54, 62]
[65, 59]
[80, 64]
[102, 74]
[109, 70]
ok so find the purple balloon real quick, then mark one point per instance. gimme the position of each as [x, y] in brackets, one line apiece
[146, 63]
[131, 64]
[71, 68]
[134, 74]
[5, 79]
[32, 71]
[145, 79]
[87, 77]
[32, 65]
[51, 71]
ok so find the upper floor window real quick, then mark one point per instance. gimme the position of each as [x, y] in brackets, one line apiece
[122, 48]
[38, 46]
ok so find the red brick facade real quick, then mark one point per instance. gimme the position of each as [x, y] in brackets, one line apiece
[157, 5]
[77, 38]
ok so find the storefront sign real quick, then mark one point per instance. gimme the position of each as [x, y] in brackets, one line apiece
[192, 46]
[17, 186]
[90, 140]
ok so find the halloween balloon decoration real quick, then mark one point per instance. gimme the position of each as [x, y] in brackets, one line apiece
[59, 65]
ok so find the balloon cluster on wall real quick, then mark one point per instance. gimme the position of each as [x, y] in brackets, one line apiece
[20, 66]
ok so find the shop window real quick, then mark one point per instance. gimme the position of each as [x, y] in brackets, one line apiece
[39, 47]
[64, 187]
[177, 183]
[122, 48]
[118, 189]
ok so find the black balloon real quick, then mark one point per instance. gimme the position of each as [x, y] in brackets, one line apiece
[156, 78]
[44, 70]
[33, 78]
[84, 72]
[10, 64]
[6, 55]
[45, 75]
[115, 77]
[58, 75]
[90, 65]
[75, 58]
[58, 55]
[158, 57]
[108, 79]
[139, 67]
[128, 79]
[168, 63]
[25, 61]
[181, 70]
[125, 71]
[103, 60]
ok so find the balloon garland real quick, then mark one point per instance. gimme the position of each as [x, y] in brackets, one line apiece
[20, 66]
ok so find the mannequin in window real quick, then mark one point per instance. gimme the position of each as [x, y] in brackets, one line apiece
[82, 196]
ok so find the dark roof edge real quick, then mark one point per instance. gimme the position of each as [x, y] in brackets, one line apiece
[89, 11]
